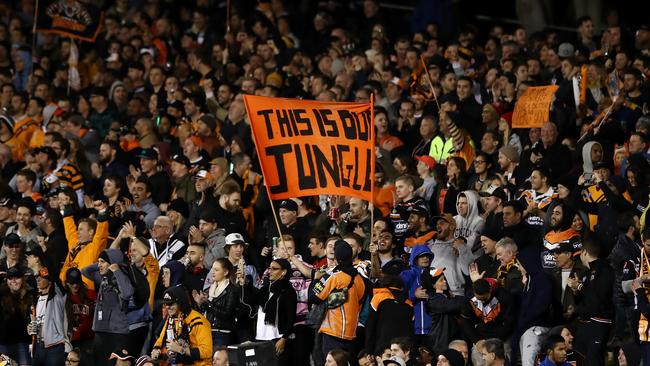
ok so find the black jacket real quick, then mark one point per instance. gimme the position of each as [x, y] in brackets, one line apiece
[392, 318]
[595, 299]
[623, 259]
[221, 311]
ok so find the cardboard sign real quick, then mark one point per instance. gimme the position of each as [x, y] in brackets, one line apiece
[309, 148]
[532, 108]
[69, 18]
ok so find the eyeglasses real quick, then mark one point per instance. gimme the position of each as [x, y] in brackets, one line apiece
[69, 360]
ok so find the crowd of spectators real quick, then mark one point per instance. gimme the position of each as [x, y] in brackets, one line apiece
[137, 230]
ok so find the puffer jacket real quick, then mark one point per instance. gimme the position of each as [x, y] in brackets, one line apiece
[222, 310]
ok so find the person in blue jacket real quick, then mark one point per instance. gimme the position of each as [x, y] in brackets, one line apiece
[420, 260]
[555, 350]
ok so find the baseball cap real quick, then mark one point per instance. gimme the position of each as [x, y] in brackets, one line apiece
[181, 159]
[397, 81]
[447, 217]
[418, 210]
[203, 174]
[12, 240]
[177, 104]
[601, 165]
[290, 205]
[235, 238]
[565, 50]
[6, 202]
[495, 191]
[136, 65]
[179, 206]
[15, 272]
[46, 150]
[149, 154]
[564, 248]
[394, 361]
[428, 160]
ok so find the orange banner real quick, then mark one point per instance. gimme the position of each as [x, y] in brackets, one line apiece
[308, 148]
[532, 108]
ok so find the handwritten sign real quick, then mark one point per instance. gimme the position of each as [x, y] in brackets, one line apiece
[532, 108]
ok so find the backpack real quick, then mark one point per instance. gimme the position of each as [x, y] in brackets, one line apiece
[140, 285]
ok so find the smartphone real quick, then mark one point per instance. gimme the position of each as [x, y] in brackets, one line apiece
[231, 168]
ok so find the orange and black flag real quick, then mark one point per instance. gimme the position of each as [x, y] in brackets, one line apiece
[69, 18]
[419, 83]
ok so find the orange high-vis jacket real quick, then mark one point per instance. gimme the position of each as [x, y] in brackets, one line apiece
[341, 322]
[89, 254]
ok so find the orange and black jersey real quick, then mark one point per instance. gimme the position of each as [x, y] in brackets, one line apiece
[70, 175]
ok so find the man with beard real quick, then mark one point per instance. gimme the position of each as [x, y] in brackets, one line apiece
[513, 174]
[289, 224]
[452, 254]
[419, 231]
[224, 98]
[211, 235]
[182, 179]
[566, 265]
[113, 190]
[108, 163]
[157, 178]
[229, 212]
[487, 265]
[141, 193]
[192, 151]
[206, 200]
[560, 232]
[195, 270]
[357, 220]
[382, 252]
[529, 240]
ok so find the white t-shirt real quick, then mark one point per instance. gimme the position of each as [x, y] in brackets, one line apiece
[265, 332]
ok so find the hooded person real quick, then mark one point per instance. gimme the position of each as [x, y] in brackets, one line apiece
[420, 260]
[176, 273]
[186, 336]
[591, 150]
[469, 222]
[110, 322]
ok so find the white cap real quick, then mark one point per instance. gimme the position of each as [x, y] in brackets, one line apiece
[235, 238]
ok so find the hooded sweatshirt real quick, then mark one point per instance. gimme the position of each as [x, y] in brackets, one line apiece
[587, 164]
[115, 290]
[411, 279]
[471, 225]
[456, 267]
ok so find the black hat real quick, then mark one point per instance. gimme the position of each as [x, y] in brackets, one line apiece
[177, 104]
[209, 120]
[181, 159]
[393, 267]
[6, 202]
[290, 205]
[136, 65]
[99, 90]
[491, 232]
[601, 165]
[47, 150]
[15, 272]
[150, 154]
[494, 191]
[37, 252]
[342, 251]
[73, 276]
[564, 248]
[454, 357]
[179, 205]
[12, 240]
[418, 210]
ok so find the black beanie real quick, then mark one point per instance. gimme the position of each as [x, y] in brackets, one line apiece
[454, 357]
[103, 255]
[342, 251]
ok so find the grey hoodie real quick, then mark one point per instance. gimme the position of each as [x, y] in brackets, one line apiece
[587, 164]
[470, 226]
[115, 290]
[455, 266]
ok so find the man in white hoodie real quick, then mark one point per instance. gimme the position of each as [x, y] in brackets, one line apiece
[469, 222]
